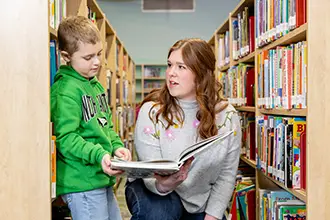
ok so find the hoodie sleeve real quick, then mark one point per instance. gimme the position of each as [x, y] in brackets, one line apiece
[66, 123]
[114, 137]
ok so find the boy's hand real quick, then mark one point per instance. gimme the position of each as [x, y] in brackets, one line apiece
[123, 153]
[106, 162]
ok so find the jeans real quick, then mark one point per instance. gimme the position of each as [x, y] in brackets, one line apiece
[98, 204]
[145, 205]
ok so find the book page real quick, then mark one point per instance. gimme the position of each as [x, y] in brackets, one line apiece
[144, 169]
[200, 146]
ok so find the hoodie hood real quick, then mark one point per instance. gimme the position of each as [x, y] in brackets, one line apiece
[68, 71]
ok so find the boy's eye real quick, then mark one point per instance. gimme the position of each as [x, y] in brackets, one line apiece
[169, 65]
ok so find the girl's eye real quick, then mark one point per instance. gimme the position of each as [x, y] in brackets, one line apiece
[87, 58]
[169, 65]
[182, 67]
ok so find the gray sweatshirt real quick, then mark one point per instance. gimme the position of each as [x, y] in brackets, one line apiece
[212, 175]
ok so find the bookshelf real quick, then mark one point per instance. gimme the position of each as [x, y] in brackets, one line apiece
[148, 77]
[25, 128]
[117, 69]
[316, 195]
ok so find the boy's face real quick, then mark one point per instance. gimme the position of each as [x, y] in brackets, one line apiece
[87, 60]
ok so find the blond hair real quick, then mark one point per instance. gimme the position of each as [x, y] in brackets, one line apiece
[76, 29]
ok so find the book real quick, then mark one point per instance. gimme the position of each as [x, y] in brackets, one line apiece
[145, 169]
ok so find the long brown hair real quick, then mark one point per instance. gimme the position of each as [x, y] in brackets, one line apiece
[198, 56]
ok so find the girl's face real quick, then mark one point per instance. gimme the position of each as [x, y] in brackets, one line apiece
[180, 80]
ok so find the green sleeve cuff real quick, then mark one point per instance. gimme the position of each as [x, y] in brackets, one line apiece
[101, 155]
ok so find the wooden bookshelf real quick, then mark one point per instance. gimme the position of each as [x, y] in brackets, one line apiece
[224, 68]
[247, 59]
[25, 135]
[142, 81]
[53, 33]
[251, 163]
[245, 108]
[223, 27]
[298, 34]
[300, 194]
[317, 104]
[241, 5]
[284, 112]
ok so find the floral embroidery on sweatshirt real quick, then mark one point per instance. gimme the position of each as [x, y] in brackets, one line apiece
[170, 134]
[195, 123]
[228, 117]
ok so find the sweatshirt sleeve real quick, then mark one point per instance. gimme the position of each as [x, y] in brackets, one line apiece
[222, 190]
[66, 115]
[147, 143]
[114, 137]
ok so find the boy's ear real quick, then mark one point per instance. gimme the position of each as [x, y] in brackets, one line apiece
[65, 55]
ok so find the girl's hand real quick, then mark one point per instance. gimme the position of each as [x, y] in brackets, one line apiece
[123, 153]
[106, 163]
[210, 217]
[168, 183]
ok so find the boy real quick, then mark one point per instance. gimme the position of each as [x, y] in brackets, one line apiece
[83, 125]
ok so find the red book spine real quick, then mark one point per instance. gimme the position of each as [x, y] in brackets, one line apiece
[303, 160]
[250, 87]
[251, 34]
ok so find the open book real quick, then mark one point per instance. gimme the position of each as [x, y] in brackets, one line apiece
[144, 169]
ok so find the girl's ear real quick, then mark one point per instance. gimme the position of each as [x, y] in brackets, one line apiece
[65, 55]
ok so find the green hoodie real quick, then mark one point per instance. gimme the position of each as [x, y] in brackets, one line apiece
[84, 132]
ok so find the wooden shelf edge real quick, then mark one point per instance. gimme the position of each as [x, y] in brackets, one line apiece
[223, 27]
[109, 29]
[96, 8]
[285, 112]
[286, 39]
[212, 40]
[52, 32]
[251, 163]
[245, 108]
[154, 78]
[248, 58]
[224, 68]
[300, 194]
[241, 6]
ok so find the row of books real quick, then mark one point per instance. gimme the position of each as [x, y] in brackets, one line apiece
[223, 50]
[275, 18]
[238, 84]
[281, 149]
[153, 85]
[124, 120]
[280, 205]
[154, 71]
[91, 15]
[125, 86]
[248, 126]
[57, 11]
[282, 77]
[242, 205]
[243, 34]
[55, 60]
